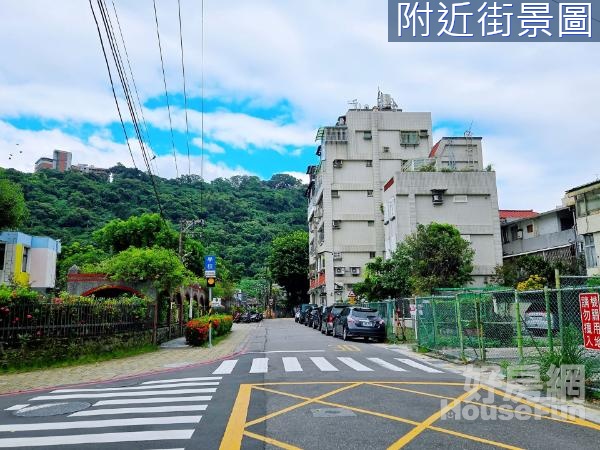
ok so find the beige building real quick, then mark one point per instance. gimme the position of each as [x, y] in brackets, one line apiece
[357, 155]
[586, 200]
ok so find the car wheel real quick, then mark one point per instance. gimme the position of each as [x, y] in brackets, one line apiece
[345, 334]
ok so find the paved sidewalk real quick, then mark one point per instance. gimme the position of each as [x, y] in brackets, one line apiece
[168, 357]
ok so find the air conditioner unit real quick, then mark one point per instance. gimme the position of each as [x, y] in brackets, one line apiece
[423, 133]
[339, 270]
[335, 194]
[337, 256]
[337, 163]
[336, 224]
[386, 149]
[355, 270]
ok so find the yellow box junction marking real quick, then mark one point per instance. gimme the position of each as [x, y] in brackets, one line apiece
[237, 425]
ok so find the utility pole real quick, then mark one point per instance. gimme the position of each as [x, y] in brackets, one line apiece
[184, 227]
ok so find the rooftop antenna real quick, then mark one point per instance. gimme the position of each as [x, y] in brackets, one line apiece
[354, 104]
[469, 139]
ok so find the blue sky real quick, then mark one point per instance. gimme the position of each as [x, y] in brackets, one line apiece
[276, 71]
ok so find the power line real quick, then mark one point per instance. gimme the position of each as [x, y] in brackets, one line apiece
[162, 64]
[187, 129]
[125, 85]
[202, 110]
[139, 103]
[112, 84]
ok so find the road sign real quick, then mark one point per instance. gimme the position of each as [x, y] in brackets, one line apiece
[210, 263]
[210, 273]
[589, 306]
[210, 282]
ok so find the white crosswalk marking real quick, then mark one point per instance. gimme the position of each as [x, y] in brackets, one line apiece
[141, 401]
[353, 364]
[386, 364]
[183, 380]
[102, 438]
[126, 394]
[144, 410]
[323, 364]
[16, 407]
[260, 365]
[99, 423]
[138, 388]
[291, 364]
[226, 367]
[416, 365]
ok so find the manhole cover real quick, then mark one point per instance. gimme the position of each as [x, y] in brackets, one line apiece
[51, 409]
[332, 412]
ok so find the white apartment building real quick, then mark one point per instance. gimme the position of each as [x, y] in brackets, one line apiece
[357, 155]
[586, 200]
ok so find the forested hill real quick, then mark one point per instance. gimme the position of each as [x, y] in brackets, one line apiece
[243, 214]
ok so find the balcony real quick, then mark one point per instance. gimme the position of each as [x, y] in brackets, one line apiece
[539, 243]
[338, 134]
[318, 281]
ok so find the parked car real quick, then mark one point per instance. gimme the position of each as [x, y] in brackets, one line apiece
[316, 313]
[355, 321]
[308, 321]
[303, 309]
[321, 315]
[328, 318]
[536, 320]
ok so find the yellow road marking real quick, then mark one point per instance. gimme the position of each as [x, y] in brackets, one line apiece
[556, 412]
[396, 419]
[347, 348]
[295, 383]
[232, 438]
[412, 434]
[487, 405]
[271, 441]
[300, 405]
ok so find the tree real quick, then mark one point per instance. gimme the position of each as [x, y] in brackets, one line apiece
[289, 264]
[12, 205]
[147, 230]
[83, 256]
[520, 269]
[439, 257]
[386, 278]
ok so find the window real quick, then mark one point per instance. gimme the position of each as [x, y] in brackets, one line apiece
[460, 199]
[386, 149]
[371, 223]
[505, 236]
[371, 255]
[589, 248]
[369, 193]
[588, 203]
[566, 223]
[514, 233]
[530, 228]
[25, 259]
[335, 194]
[2, 252]
[367, 135]
[409, 137]
[369, 163]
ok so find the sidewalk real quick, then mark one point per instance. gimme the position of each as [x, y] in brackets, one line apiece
[168, 357]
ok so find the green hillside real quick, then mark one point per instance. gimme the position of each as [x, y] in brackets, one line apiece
[243, 214]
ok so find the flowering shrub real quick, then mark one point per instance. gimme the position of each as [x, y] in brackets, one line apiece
[196, 330]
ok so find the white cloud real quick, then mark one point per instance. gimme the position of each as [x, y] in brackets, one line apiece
[209, 147]
[28, 146]
[300, 175]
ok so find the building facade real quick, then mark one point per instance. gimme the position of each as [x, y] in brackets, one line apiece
[43, 164]
[61, 161]
[357, 155]
[26, 259]
[550, 235]
[586, 201]
[466, 200]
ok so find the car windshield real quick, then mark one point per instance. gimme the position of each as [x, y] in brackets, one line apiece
[365, 313]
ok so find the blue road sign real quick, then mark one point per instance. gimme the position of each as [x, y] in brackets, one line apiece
[210, 263]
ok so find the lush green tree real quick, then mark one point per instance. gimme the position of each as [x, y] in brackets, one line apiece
[253, 287]
[12, 205]
[521, 268]
[389, 278]
[147, 230]
[160, 266]
[84, 256]
[288, 263]
[439, 257]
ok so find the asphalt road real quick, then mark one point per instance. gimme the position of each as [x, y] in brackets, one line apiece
[293, 388]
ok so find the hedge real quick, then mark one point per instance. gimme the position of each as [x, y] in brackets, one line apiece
[196, 330]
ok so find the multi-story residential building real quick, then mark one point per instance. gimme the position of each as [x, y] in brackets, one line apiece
[448, 187]
[60, 161]
[357, 156]
[586, 201]
[550, 235]
[43, 164]
[26, 259]
[88, 168]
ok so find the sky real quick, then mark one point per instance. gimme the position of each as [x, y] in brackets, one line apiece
[274, 71]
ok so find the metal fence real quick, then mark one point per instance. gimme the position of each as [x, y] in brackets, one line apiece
[399, 324]
[499, 325]
[29, 321]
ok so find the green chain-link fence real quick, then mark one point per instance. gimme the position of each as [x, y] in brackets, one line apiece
[498, 325]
